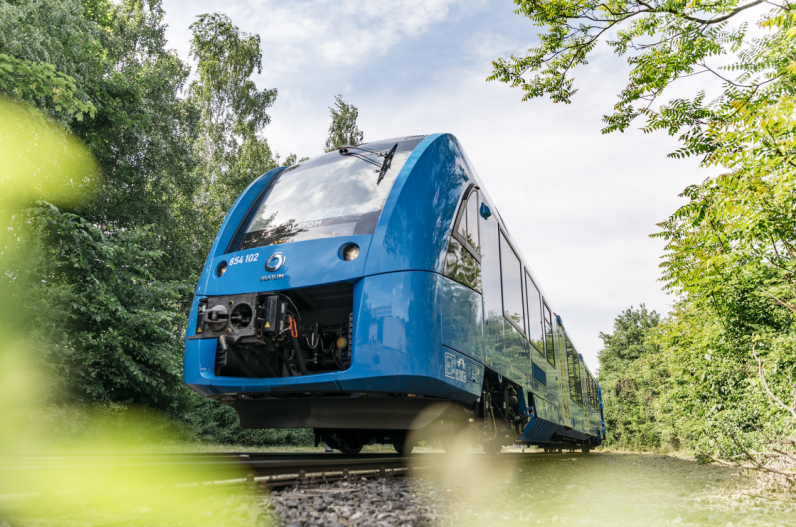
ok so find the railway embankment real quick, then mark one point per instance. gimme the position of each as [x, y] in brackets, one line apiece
[425, 489]
[602, 489]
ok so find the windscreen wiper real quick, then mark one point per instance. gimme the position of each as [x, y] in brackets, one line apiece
[384, 166]
[345, 151]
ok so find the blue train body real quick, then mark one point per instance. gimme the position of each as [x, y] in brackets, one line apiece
[397, 301]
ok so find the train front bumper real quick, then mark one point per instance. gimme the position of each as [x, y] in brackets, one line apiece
[397, 349]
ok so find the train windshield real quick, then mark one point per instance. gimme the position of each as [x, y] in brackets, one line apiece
[329, 196]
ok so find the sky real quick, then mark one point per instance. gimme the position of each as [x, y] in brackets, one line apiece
[580, 204]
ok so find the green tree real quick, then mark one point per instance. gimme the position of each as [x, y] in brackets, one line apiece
[730, 250]
[233, 113]
[48, 49]
[344, 129]
[630, 378]
[629, 341]
[105, 323]
[102, 287]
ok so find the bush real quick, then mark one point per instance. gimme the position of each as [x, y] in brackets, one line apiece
[218, 423]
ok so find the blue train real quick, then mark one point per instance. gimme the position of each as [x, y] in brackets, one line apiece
[375, 295]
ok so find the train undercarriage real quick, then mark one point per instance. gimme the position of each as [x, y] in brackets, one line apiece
[349, 421]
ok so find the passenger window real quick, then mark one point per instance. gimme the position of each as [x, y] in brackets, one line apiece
[548, 332]
[588, 388]
[462, 260]
[535, 329]
[574, 373]
[511, 279]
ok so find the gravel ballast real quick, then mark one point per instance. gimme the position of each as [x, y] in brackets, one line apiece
[369, 502]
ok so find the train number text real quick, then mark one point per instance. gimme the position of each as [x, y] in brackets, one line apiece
[244, 259]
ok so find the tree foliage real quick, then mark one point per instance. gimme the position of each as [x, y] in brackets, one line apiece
[104, 278]
[233, 113]
[343, 130]
[730, 250]
[108, 326]
[630, 379]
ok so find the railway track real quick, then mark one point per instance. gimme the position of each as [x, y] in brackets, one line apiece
[63, 473]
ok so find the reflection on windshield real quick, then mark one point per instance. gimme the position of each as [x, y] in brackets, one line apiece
[330, 196]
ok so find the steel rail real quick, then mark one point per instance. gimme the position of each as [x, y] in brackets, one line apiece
[58, 473]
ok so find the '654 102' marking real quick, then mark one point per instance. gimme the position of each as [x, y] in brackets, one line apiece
[246, 258]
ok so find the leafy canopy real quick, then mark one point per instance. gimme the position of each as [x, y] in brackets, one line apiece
[731, 250]
[343, 130]
[664, 41]
[233, 113]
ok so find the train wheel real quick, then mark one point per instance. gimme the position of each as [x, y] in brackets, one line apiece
[403, 448]
[350, 445]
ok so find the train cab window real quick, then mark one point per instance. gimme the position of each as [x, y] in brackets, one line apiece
[331, 195]
[472, 221]
[462, 260]
[535, 326]
[511, 279]
[466, 230]
[548, 332]
[461, 266]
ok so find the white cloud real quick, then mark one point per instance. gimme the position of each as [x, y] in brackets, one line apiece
[303, 34]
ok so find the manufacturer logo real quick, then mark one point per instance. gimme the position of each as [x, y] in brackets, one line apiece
[276, 261]
[271, 277]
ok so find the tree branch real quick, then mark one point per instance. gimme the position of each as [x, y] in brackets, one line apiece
[768, 390]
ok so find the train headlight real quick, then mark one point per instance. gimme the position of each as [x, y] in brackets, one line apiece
[350, 252]
[221, 269]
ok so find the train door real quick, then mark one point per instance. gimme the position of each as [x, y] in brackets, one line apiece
[462, 302]
[563, 393]
[594, 409]
[541, 382]
[511, 345]
[584, 397]
[575, 385]
[545, 361]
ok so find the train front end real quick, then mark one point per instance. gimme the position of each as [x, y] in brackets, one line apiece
[318, 306]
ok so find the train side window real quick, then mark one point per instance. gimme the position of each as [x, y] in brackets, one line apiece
[572, 370]
[511, 279]
[588, 389]
[589, 397]
[548, 333]
[463, 259]
[535, 328]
